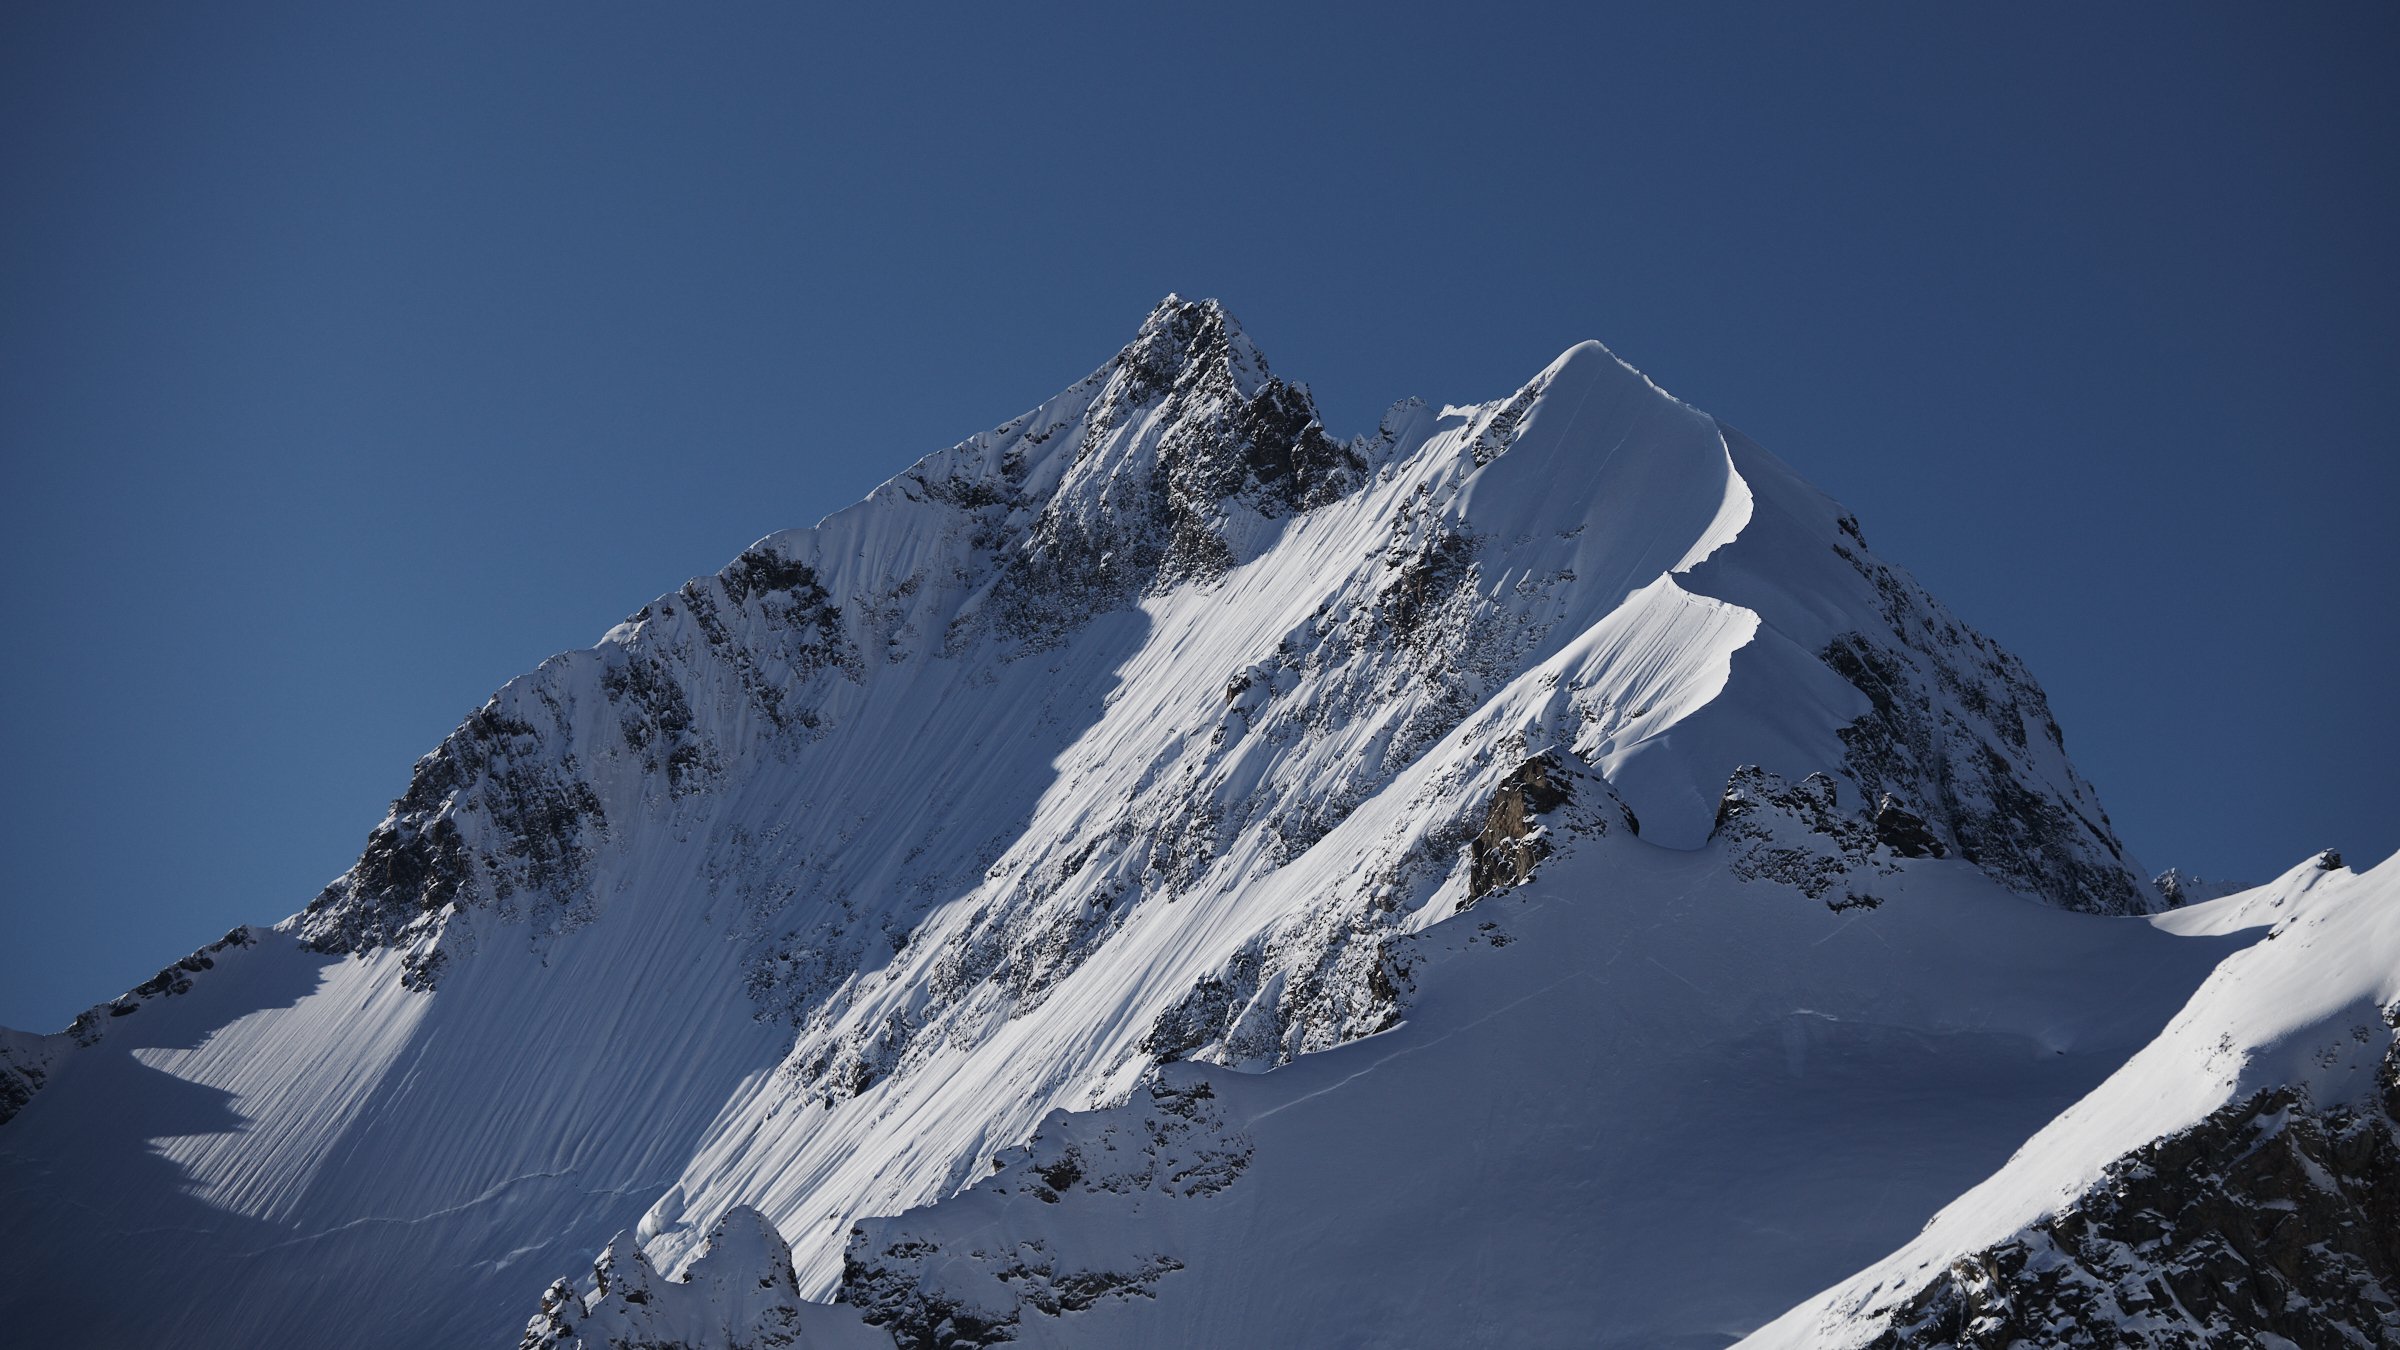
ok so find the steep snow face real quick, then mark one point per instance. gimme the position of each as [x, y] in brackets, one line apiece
[1144, 724]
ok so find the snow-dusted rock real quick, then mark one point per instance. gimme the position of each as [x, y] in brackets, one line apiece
[738, 1294]
[1103, 1172]
[2272, 1217]
[1798, 834]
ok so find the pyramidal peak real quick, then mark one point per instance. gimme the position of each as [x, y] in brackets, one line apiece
[1188, 338]
[1143, 814]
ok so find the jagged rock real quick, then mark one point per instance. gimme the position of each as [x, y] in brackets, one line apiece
[2272, 1222]
[1515, 837]
[1961, 729]
[1190, 437]
[1796, 834]
[1512, 840]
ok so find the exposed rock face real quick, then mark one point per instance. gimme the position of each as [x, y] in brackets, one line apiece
[2273, 1222]
[1799, 835]
[1936, 688]
[1169, 1146]
[739, 1294]
[1904, 832]
[505, 815]
[1515, 836]
[1191, 445]
[1512, 839]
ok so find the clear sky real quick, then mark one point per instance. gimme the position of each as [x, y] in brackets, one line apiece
[353, 358]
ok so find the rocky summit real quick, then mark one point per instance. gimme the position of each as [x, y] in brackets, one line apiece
[1156, 873]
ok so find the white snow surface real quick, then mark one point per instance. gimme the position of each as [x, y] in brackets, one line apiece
[1638, 1102]
[816, 895]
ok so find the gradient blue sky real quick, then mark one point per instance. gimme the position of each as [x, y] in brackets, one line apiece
[354, 358]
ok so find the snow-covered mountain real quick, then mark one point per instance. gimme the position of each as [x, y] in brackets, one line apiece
[1154, 873]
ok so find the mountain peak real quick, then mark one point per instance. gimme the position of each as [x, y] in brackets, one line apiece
[1151, 724]
[1182, 338]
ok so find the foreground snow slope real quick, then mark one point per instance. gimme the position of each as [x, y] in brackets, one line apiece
[1639, 1102]
[1144, 725]
[2308, 1016]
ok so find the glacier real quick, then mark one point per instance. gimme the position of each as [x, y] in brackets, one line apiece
[1533, 861]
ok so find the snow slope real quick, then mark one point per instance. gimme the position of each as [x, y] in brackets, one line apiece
[2311, 1012]
[1151, 723]
[1638, 1101]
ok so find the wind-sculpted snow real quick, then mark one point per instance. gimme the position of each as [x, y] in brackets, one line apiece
[1945, 719]
[1152, 723]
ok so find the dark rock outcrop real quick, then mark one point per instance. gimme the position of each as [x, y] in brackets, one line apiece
[1797, 834]
[1514, 837]
[1958, 728]
[1904, 832]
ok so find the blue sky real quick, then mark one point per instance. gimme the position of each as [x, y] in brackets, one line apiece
[353, 361]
